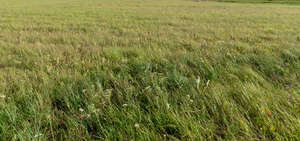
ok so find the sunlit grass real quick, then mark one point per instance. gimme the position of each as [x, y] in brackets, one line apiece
[149, 70]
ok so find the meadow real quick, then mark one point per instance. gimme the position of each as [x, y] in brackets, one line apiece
[149, 70]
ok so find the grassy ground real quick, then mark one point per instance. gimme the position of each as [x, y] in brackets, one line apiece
[286, 2]
[148, 70]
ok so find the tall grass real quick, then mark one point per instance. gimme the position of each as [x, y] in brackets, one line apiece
[148, 70]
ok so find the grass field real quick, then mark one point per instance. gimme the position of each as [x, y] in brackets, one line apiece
[149, 70]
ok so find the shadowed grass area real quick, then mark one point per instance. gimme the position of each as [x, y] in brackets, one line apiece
[149, 70]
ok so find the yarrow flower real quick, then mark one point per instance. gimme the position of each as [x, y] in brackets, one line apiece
[88, 115]
[136, 125]
[81, 110]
